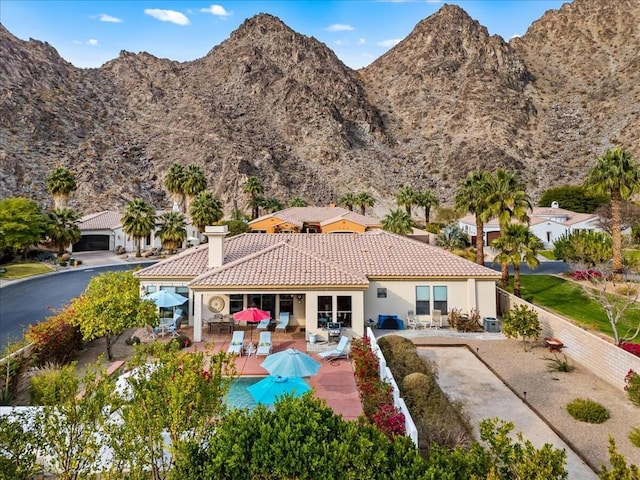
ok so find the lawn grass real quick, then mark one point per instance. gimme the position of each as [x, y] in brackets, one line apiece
[568, 299]
[22, 270]
[548, 254]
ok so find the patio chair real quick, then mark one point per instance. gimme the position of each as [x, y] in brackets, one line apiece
[264, 345]
[237, 341]
[284, 322]
[152, 332]
[264, 324]
[341, 351]
[411, 321]
[436, 319]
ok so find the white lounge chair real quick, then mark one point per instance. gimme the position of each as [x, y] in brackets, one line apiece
[341, 351]
[284, 322]
[436, 319]
[237, 342]
[264, 344]
[412, 322]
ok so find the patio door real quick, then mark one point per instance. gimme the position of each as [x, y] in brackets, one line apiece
[264, 302]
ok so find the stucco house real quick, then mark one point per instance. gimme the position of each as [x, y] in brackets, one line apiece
[546, 223]
[103, 231]
[331, 219]
[319, 278]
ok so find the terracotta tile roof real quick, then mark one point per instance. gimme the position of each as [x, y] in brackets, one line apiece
[107, 220]
[539, 215]
[320, 215]
[372, 254]
[280, 264]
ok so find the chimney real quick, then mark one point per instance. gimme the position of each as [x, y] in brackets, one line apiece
[332, 205]
[215, 236]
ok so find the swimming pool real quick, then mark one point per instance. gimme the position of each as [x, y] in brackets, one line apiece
[238, 396]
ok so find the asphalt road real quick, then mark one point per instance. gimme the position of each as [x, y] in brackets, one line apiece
[30, 301]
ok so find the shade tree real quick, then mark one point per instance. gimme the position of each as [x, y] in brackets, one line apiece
[110, 305]
[22, 224]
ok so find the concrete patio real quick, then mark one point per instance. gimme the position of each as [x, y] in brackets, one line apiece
[335, 383]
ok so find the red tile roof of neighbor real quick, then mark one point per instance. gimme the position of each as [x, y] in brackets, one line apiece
[321, 215]
[316, 259]
[107, 220]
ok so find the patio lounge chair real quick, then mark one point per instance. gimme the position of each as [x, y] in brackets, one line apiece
[264, 345]
[341, 351]
[284, 322]
[412, 322]
[237, 341]
[436, 319]
[264, 324]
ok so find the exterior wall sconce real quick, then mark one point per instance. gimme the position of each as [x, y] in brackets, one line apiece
[299, 297]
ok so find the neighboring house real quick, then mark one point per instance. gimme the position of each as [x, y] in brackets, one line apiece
[546, 223]
[329, 219]
[103, 231]
[321, 278]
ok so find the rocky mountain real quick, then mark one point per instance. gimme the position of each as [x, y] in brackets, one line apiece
[271, 102]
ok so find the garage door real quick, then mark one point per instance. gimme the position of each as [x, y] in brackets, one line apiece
[90, 243]
[491, 236]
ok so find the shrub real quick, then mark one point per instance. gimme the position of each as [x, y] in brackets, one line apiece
[374, 393]
[587, 410]
[55, 339]
[464, 323]
[521, 321]
[50, 385]
[179, 342]
[633, 348]
[556, 364]
[632, 387]
[402, 357]
[390, 421]
[634, 436]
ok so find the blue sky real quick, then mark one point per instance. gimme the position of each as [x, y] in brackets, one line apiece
[90, 33]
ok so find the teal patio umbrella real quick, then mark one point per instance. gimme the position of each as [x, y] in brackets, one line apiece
[268, 389]
[164, 298]
[291, 363]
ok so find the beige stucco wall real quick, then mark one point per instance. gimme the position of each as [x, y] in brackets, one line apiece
[602, 357]
[464, 294]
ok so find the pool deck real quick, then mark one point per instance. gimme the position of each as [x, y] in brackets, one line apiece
[334, 383]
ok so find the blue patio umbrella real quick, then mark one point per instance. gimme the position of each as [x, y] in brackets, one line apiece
[268, 389]
[164, 298]
[290, 363]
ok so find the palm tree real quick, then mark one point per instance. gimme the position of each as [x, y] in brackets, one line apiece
[194, 183]
[397, 221]
[172, 230]
[406, 197]
[205, 210]
[473, 196]
[60, 184]
[138, 221]
[62, 228]
[272, 205]
[298, 202]
[364, 200]
[517, 244]
[348, 200]
[508, 201]
[174, 182]
[427, 200]
[615, 174]
[254, 189]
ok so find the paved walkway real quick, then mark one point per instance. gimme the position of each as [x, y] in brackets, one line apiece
[466, 379]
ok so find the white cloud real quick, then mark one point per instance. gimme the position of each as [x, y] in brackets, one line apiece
[392, 42]
[93, 42]
[167, 16]
[217, 10]
[339, 27]
[339, 42]
[361, 41]
[515, 35]
[103, 17]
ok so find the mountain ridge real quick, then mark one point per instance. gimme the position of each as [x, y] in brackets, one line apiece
[268, 101]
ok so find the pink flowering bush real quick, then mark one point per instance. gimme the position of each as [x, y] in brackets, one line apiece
[389, 420]
[633, 348]
[632, 387]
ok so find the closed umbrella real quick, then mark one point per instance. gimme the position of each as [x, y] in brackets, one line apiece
[268, 389]
[291, 363]
[252, 316]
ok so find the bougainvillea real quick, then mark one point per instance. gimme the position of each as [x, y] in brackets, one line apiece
[633, 348]
[389, 420]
